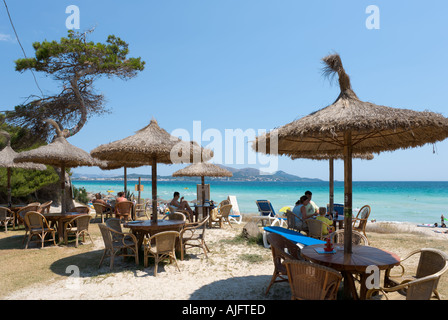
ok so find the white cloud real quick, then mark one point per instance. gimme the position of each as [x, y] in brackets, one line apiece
[5, 37]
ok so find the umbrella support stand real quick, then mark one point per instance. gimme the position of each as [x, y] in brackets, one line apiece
[154, 189]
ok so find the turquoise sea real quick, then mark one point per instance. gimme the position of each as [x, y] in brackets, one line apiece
[403, 201]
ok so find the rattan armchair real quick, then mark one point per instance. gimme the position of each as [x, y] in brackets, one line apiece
[218, 215]
[358, 238]
[430, 262]
[161, 246]
[21, 217]
[80, 209]
[44, 208]
[315, 229]
[37, 225]
[360, 221]
[282, 249]
[118, 244]
[310, 281]
[175, 216]
[102, 210]
[78, 226]
[7, 217]
[123, 210]
[194, 236]
[291, 221]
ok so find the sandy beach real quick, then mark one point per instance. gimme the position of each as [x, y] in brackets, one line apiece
[234, 270]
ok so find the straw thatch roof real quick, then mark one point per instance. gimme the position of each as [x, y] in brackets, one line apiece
[362, 156]
[202, 169]
[374, 128]
[58, 153]
[112, 165]
[152, 142]
[7, 156]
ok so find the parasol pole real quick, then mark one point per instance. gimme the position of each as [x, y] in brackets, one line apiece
[348, 148]
[63, 188]
[154, 189]
[8, 170]
[125, 182]
[331, 165]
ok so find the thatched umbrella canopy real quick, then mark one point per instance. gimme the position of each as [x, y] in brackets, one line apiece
[367, 156]
[152, 145]
[349, 126]
[7, 156]
[59, 153]
[202, 169]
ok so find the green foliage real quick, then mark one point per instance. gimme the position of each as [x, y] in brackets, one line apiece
[80, 195]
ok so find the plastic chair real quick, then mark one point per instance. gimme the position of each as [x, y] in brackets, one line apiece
[310, 281]
[236, 215]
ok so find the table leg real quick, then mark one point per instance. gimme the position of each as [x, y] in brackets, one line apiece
[349, 286]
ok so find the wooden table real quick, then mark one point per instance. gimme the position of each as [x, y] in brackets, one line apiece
[354, 263]
[60, 219]
[338, 222]
[150, 228]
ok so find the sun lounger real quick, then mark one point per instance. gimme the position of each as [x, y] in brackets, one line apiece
[294, 236]
[236, 216]
[267, 213]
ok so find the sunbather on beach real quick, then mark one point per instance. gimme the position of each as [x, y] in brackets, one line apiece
[180, 205]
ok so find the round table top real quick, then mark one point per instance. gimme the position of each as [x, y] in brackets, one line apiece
[149, 224]
[360, 258]
[63, 215]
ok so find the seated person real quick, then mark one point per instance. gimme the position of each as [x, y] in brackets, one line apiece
[98, 199]
[311, 207]
[182, 205]
[321, 217]
[120, 197]
[301, 214]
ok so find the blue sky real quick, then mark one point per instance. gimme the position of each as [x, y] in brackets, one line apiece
[249, 65]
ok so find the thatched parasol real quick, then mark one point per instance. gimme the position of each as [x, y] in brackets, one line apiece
[152, 145]
[349, 126]
[112, 165]
[367, 156]
[202, 169]
[59, 153]
[7, 156]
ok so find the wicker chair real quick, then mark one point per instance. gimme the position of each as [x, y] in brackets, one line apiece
[37, 225]
[102, 210]
[360, 221]
[78, 226]
[161, 246]
[21, 217]
[310, 281]
[430, 262]
[282, 249]
[224, 212]
[175, 216]
[315, 229]
[7, 217]
[218, 215]
[141, 210]
[44, 208]
[358, 238]
[187, 215]
[80, 209]
[117, 244]
[123, 210]
[291, 221]
[194, 236]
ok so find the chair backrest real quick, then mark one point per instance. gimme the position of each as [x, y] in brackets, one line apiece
[99, 207]
[265, 208]
[114, 224]
[34, 204]
[431, 261]
[82, 222]
[107, 236]
[124, 207]
[290, 220]
[357, 237]
[224, 211]
[283, 249]
[339, 208]
[315, 228]
[80, 209]
[196, 231]
[214, 214]
[165, 241]
[35, 220]
[234, 203]
[362, 216]
[175, 216]
[45, 207]
[5, 213]
[31, 207]
[310, 281]
[223, 203]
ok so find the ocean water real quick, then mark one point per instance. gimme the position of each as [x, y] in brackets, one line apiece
[403, 201]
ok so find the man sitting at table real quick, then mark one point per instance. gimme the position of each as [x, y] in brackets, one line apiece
[182, 205]
[109, 208]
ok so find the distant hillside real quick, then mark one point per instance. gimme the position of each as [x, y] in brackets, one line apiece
[246, 174]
